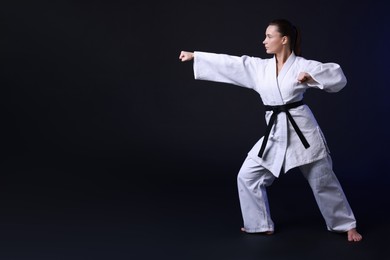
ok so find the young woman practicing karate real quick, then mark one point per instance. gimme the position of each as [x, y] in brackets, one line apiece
[293, 137]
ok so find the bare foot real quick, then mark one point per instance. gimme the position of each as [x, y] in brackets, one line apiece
[353, 235]
[266, 232]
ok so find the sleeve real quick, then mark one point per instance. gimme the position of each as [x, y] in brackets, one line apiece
[240, 71]
[326, 76]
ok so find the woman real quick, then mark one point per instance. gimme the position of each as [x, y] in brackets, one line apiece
[293, 137]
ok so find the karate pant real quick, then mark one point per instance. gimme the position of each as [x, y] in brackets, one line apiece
[253, 179]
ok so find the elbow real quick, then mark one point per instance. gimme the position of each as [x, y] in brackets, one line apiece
[337, 87]
[340, 81]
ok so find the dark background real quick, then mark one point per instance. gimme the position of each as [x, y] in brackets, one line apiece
[111, 150]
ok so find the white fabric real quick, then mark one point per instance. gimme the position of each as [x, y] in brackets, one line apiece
[253, 179]
[329, 195]
[284, 149]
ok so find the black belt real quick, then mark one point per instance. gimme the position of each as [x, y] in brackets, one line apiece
[276, 110]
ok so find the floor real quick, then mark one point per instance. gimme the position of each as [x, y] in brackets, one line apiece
[112, 208]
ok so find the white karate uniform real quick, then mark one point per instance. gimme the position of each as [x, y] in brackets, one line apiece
[284, 149]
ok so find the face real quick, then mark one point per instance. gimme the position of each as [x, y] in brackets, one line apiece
[273, 41]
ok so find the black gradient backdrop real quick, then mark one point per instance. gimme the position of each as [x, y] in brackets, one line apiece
[111, 150]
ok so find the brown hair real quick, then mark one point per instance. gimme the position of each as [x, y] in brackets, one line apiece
[286, 28]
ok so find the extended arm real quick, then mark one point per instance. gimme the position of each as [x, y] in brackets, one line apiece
[241, 71]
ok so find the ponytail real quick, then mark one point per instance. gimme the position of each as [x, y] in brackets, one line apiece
[296, 47]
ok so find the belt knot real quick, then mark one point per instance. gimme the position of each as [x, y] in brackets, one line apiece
[275, 111]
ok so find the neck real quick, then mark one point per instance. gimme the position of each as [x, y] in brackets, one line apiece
[282, 56]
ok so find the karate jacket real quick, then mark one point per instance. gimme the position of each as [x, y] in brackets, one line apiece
[284, 149]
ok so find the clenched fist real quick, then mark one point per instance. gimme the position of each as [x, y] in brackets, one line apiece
[304, 77]
[186, 56]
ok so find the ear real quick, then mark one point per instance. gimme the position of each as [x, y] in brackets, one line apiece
[284, 40]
